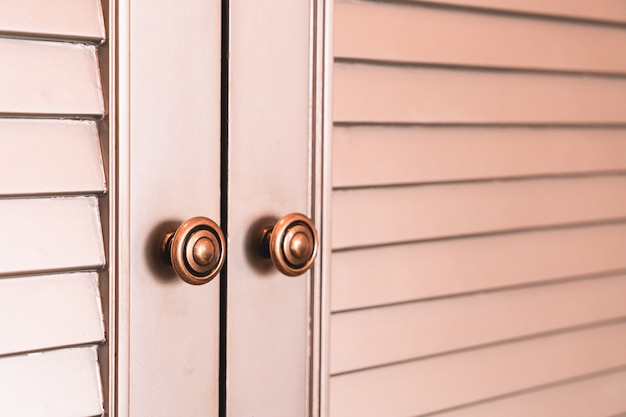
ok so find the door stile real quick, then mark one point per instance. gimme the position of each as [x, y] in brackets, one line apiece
[320, 199]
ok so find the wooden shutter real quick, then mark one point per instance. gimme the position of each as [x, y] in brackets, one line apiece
[479, 209]
[52, 172]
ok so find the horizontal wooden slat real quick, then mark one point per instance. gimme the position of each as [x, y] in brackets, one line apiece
[600, 10]
[49, 78]
[371, 155]
[49, 311]
[378, 216]
[379, 31]
[52, 384]
[385, 94]
[49, 157]
[49, 234]
[432, 269]
[445, 381]
[597, 396]
[372, 337]
[70, 19]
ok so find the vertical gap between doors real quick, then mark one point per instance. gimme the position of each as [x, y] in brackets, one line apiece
[224, 201]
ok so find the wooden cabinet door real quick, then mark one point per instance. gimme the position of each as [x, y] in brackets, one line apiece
[178, 166]
[169, 171]
[269, 175]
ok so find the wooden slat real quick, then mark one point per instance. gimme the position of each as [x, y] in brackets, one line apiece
[384, 94]
[371, 155]
[49, 311]
[379, 216]
[50, 234]
[51, 384]
[69, 19]
[598, 396]
[441, 382]
[432, 269]
[372, 337]
[49, 78]
[378, 31]
[600, 10]
[50, 157]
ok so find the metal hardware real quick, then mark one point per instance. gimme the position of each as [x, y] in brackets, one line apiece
[291, 244]
[196, 250]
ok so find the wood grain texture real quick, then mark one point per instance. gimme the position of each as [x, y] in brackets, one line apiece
[596, 396]
[375, 155]
[50, 234]
[50, 157]
[379, 31]
[56, 383]
[386, 94]
[50, 311]
[68, 19]
[409, 331]
[441, 382]
[433, 269]
[598, 10]
[49, 78]
[400, 214]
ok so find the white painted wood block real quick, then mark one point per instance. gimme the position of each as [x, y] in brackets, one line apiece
[58, 383]
[43, 312]
[70, 19]
[384, 335]
[413, 33]
[446, 381]
[50, 234]
[376, 155]
[417, 271]
[601, 10]
[50, 157]
[49, 78]
[401, 214]
[384, 94]
[601, 395]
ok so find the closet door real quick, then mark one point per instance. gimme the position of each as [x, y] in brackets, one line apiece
[270, 163]
[479, 209]
[52, 180]
[169, 171]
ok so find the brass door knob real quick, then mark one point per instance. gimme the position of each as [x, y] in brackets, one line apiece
[291, 244]
[196, 250]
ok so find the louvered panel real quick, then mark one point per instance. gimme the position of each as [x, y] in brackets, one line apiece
[49, 78]
[50, 157]
[50, 311]
[385, 94]
[58, 383]
[374, 155]
[601, 10]
[400, 214]
[50, 234]
[378, 31]
[401, 273]
[446, 381]
[408, 331]
[70, 19]
[597, 396]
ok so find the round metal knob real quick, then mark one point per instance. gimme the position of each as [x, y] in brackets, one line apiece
[291, 243]
[196, 250]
